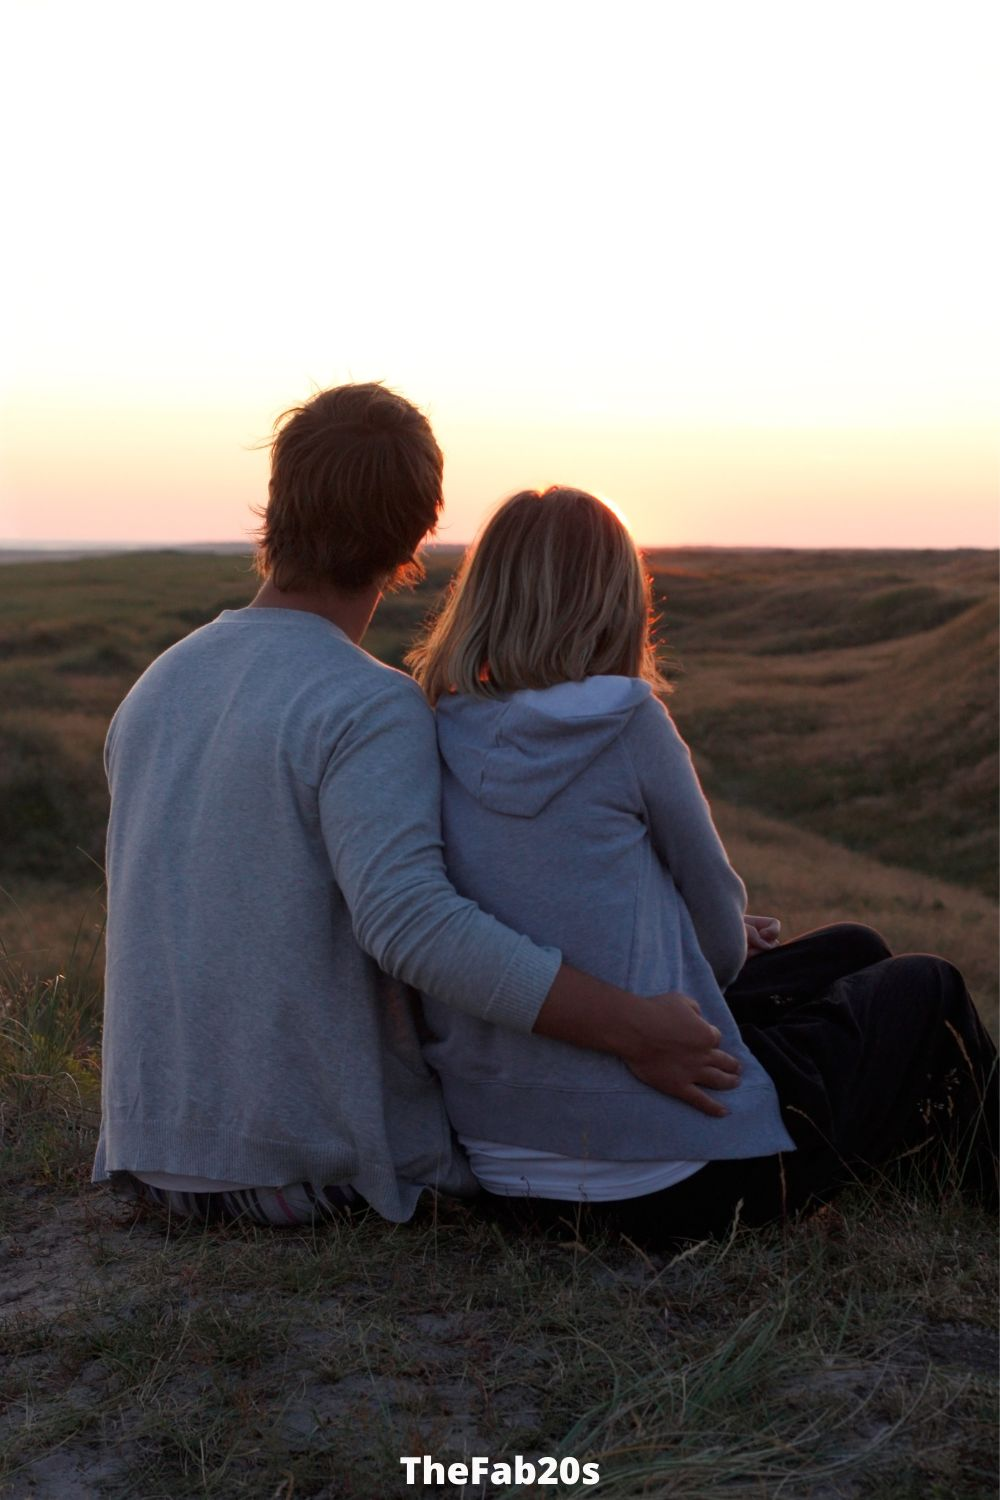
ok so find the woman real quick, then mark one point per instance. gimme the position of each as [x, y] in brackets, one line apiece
[571, 809]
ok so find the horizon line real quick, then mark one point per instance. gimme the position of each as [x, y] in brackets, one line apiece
[36, 548]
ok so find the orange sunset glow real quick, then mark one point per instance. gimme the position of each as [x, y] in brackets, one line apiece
[731, 266]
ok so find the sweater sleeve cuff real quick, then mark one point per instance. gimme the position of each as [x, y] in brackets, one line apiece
[526, 981]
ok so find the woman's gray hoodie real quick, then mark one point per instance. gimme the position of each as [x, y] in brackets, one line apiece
[574, 814]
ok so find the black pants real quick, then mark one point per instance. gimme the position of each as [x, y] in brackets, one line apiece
[874, 1059]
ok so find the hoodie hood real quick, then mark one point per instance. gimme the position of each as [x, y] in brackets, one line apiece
[514, 754]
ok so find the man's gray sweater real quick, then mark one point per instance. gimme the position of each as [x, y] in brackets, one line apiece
[274, 846]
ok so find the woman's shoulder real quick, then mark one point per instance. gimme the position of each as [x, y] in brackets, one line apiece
[652, 729]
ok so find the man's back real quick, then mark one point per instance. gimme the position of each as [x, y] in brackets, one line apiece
[274, 813]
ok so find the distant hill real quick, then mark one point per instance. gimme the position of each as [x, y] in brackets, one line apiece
[852, 694]
[72, 551]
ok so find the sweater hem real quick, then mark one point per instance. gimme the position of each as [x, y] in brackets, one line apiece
[617, 1125]
[159, 1146]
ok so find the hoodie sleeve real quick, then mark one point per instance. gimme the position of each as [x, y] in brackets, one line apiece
[379, 804]
[685, 838]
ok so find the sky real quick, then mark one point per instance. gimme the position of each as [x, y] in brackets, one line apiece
[729, 264]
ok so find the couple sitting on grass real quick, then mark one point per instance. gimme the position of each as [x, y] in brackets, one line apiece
[369, 935]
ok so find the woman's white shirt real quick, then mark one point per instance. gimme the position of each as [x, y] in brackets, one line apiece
[522, 1172]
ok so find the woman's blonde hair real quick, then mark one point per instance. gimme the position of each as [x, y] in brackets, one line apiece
[553, 590]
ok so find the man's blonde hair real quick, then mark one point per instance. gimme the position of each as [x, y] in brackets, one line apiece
[553, 590]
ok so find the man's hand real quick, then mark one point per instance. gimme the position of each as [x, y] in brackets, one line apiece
[681, 1050]
[663, 1039]
[762, 933]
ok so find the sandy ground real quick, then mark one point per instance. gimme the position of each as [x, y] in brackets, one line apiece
[68, 1252]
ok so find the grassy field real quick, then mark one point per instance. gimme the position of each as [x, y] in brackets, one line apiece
[854, 694]
[842, 710]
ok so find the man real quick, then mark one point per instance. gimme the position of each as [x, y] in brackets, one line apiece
[275, 877]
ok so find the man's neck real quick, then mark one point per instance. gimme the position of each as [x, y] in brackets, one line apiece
[351, 613]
